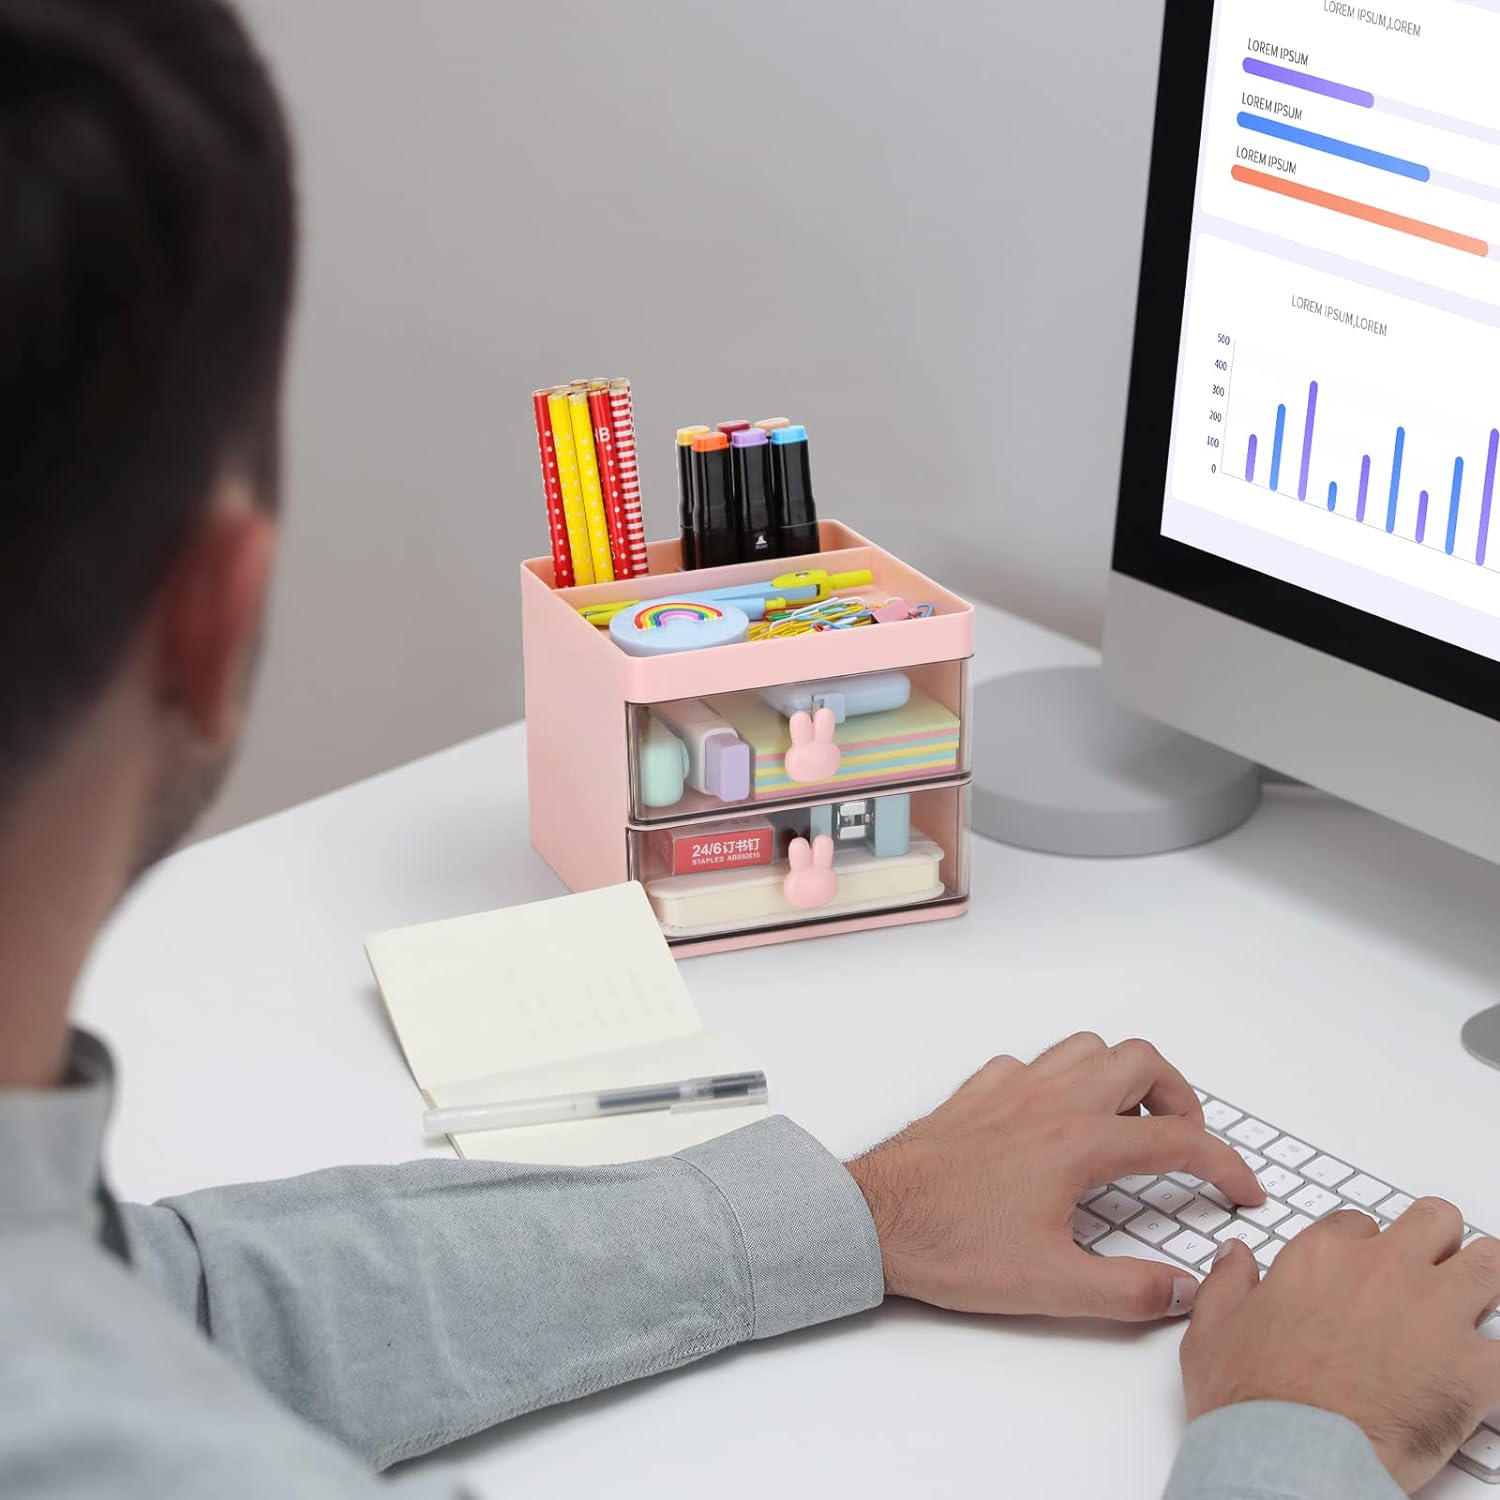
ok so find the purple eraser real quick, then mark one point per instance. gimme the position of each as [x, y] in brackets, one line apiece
[755, 437]
[726, 767]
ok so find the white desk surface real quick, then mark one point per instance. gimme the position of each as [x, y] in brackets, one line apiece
[1315, 967]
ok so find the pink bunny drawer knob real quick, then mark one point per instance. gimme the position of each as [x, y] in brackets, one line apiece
[813, 756]
[811, 881]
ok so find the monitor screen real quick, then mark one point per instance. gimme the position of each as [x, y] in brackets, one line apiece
[1335, 413]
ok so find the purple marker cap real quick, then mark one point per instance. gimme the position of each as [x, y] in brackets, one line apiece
[754, 437]
[726, 767]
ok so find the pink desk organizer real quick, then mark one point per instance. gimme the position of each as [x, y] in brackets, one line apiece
[588, 708]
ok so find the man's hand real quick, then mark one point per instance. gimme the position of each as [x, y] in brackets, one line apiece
[974, 1204]
[1378, 1328]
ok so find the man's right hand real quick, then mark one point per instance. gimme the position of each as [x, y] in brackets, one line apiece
[1376, 1327]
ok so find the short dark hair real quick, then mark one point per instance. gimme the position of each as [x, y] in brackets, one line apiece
[147, 258]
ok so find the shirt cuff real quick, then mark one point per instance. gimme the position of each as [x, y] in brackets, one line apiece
[1273, 1450]
[809, 1239]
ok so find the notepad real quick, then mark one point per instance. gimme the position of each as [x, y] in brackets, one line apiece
[556, 997]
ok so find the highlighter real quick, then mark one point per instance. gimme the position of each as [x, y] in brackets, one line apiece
[685, 436]
[750, 473]
[714, 518]
[792, 502]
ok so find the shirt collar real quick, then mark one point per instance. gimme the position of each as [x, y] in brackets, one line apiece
[50, 1144]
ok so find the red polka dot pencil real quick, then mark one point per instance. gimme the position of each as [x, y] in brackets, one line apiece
[562, 559]
[630, 475]
[601, 413]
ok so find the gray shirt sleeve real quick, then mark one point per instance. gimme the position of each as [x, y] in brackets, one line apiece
[1271, 1450]
[401, 1308]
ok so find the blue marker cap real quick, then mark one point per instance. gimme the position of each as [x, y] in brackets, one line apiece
[789, 435]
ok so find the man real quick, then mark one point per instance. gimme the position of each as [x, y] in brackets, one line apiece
[287, 1338]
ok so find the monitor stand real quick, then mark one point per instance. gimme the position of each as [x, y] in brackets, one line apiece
[1481, 1036]
[1060, 767]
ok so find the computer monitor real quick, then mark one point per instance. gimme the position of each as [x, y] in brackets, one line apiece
[1307, 559]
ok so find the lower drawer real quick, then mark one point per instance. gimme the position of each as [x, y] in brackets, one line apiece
[815, 862]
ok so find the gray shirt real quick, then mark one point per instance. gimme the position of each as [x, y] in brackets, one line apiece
[292, 1338]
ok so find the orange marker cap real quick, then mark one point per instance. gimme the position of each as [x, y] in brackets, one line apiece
[710, 442]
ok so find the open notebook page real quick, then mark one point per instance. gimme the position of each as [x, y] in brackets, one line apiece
[518, 1003]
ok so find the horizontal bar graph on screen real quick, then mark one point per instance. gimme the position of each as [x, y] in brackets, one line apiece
[1296, 79]
[1331, 146]
[1333, 466]
[1355, 209]
[1344, 93]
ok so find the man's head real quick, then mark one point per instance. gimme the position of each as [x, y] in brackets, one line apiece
[146, 273]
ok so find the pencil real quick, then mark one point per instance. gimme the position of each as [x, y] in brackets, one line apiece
[601, 418]
[630, 475]
[571, 485]
[593, 495]
[557, 527]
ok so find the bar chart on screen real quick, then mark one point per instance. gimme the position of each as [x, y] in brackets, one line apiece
[1363, 456]
[1362, 132]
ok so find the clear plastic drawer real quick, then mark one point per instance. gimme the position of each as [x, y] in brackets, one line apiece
[788, 742]
[793, 864]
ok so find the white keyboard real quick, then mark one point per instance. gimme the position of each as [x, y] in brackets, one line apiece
[1181, 1221]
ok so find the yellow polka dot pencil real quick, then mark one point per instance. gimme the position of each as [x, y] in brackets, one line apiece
[593, 491]
[559, 409]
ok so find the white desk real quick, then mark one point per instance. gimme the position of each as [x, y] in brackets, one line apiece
[1316, 966]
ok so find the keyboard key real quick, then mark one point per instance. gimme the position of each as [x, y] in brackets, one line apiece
[1115, 1206]
[1187, 1179]
[1484, 1449]
[1268, 1252]
[1120, 1244]
[1153, 1227]
[1364, 1190]
[1490, 1328]
[1238, 1229]
[1327, 1171]
[1136, 1183]
[1168, 1197]
[1219, 1116]
[1188, 1247]
[1289, 1229]
[1278, 1182]
[1289, 1152]
[1203, 1216]
[1314, 1202]
[1394, 1206]
[1268, 1215]
[1087, 1227]
[1251, 1160]
[1209, 1191]
[1252, 1133]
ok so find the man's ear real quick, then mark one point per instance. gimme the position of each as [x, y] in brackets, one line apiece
[208, 614]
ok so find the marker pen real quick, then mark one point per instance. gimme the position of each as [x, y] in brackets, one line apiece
[685, 436]
[771, 424]
[792, 494]
[750, 471]
[730, 428]
[714, 517]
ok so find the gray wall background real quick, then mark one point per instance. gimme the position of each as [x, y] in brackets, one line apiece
[912, 226]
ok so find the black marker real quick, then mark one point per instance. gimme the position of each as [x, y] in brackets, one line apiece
[791, 494]
[714, 518]
[685, 436]
[750, 469]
